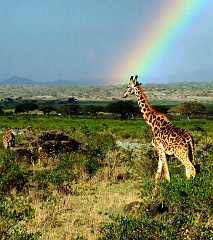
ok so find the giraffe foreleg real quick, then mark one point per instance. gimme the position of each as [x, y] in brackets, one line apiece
[165, 167]
[162, 165]
[159, 171]
[162, 162]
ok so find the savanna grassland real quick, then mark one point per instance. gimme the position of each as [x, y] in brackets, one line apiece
[96, 180]
[173, 92]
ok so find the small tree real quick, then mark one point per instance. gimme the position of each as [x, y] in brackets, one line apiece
[122, 107]
[161, 108]
[187, 109]
[1, 110]
[71, 100]
[69, 109]
[47, 109]
[25, 107]
[93, 109]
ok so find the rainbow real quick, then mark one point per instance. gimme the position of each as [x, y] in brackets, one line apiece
[147, 48]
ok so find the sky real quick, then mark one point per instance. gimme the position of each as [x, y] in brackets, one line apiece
[48, 40]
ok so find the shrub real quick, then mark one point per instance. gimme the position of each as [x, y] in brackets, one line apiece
[12, 176]
[13, 211]
[189, 205]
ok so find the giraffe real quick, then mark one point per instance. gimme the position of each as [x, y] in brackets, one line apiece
[8, 139]
[167, 138]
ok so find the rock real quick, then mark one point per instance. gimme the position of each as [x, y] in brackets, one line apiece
[156, 208]
[133, 207]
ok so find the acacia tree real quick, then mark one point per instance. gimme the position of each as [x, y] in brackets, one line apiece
[47, 109]
[25, 107]
[187, 109]
[124, 108]
[93, 109]
[69, 109]
[71, 100]
[1, 110]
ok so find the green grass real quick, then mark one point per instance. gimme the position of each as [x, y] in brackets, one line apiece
[37, 198]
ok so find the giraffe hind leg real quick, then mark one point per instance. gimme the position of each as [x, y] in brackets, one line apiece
[190, 169]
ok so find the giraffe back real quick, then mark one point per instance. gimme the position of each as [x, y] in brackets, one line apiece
[8, 139]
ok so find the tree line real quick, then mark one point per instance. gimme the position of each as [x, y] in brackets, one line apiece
[123, 108]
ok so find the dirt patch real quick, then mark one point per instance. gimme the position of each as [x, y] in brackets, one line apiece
[47, 144]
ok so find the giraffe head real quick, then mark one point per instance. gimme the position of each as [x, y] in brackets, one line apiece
[131, 86]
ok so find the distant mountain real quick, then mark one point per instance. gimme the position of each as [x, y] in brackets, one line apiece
[17, 80]
[20, 80]
[60, 82]
[201, 75]
[80, 82]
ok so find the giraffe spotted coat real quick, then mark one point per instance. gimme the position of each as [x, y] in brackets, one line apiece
[167, 138]
[8, 139]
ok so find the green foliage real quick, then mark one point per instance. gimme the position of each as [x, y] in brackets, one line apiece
[190, 205]
[68, 109]
[147, 227]
[194, 195]
[161, 108]
[122, 107]
[89, 156]
[45, 179]
[12, 211]
[96, 150]
[46, 109]
[12, 176]
[1, 110]
[93, 109]
[25, 107]
[189, 202]
[187, 109]
[71, 100]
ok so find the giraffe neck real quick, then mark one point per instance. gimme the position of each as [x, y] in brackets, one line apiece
[150, 115]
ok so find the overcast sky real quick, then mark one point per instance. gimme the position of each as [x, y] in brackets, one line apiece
[47, 40]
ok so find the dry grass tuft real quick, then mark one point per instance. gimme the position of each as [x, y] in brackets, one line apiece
[67, 216]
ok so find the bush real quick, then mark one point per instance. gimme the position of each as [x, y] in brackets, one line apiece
[188, 204]
[12, 176]
[13, 211]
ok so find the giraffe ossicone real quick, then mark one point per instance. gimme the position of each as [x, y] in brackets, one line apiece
[167, 138]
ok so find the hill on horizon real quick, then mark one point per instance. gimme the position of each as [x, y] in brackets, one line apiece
[17, 80]
[194, 76]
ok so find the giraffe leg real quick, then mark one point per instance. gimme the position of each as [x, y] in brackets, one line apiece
[188, 175]
[159, 171]
[190, 169]
[162, 164]
[165, 166]
[166, 170]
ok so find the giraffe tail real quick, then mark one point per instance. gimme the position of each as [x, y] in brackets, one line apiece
[192, 158]
[191, 151]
